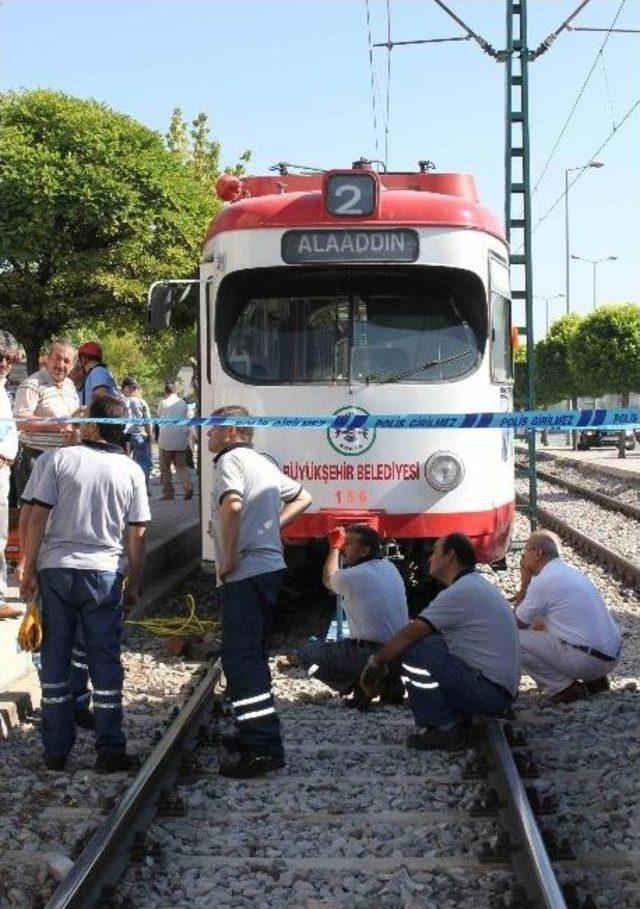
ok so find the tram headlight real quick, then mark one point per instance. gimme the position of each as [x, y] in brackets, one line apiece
[444, 471]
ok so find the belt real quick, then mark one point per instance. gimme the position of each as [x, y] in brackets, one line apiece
[591, 651]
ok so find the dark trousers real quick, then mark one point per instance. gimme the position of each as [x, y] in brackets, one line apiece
[338, 664]
[443, 689]
[92, 600]
[23, 466]
[247, 612]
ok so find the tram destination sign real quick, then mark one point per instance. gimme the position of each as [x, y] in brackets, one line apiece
[350, 245]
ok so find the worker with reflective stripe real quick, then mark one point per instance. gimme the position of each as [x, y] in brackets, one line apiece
[460, 657]
[81, 504]
[251, 501]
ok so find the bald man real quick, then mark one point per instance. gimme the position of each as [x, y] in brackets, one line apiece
[570, 643]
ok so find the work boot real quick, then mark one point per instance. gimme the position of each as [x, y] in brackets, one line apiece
[54, 761]
[576, 691]
[392, 691]
[437, 739]
[84, 718]
[597, 686]
[116, 762]
[251, 763]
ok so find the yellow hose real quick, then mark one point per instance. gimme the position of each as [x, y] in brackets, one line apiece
[177, 625]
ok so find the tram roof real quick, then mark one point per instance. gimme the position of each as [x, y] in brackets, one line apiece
[412, 199]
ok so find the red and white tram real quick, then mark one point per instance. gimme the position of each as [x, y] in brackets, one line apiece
[379, 293]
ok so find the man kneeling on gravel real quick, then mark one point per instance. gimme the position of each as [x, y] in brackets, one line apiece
[578, 643]
[375, 602]
[460, 656]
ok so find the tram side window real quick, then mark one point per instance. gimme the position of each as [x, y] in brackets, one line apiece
[501, 357]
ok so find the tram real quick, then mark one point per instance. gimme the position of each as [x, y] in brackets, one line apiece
[353, 290]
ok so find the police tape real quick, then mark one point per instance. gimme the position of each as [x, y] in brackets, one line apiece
[356, 418]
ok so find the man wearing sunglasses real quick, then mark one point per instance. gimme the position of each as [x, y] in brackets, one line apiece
[9, 354]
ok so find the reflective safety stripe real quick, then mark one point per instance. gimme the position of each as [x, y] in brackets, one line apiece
[62, 700]
[109, 693]
[408, 681]
[79, 665]
[415, 670]
[254, 700]
[313, 669]
[79, 653]
[98, 706]
[253, 714]
[55, 684]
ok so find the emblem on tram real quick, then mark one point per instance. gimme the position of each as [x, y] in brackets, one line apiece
[351, 440]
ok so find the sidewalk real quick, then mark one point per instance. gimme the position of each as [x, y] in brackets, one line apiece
[602, 459]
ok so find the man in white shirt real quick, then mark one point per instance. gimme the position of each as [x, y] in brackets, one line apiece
[9, 354]
[251, 501]
[375, 602]
[49, 392]
[86, 497]
[460, 656]
[580, 643]
[173, 441]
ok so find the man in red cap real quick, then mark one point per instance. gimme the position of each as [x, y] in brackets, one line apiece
[98, 379]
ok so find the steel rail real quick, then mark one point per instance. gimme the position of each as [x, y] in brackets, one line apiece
[607, 557]
[107, 853]
[609, 502]
[528, 853]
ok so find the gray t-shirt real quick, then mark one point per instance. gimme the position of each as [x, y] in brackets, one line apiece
[375, 599]
[93, 491]
[478, 626]
[263, 488]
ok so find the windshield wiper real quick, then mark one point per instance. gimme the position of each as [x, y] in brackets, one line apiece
[409, 372]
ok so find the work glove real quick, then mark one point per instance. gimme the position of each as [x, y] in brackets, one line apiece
[30, 631]
[372, 677]
[337, 538]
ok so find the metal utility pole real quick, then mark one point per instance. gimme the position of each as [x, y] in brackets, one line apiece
[517, 202]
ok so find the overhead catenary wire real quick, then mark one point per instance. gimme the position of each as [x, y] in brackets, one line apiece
[388, 99]
[593, 157]
[372, 78]
[577, 100]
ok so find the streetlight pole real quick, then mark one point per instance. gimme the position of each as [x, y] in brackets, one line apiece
[547, 300]
[595, 263]
[570, 170]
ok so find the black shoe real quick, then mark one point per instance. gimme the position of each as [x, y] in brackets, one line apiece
[392, 692]
[436, 739]
[576, 691]
[55, 761]
[84, 718]
[597, 686]
[116, 762]
[358, 700]
[231, 743]
[251, 763]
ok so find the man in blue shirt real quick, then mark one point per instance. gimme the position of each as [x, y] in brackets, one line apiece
[98, 379]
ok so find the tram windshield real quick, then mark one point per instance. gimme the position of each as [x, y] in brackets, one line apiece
[353, 331]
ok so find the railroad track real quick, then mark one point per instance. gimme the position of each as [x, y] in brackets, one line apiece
[307, 800]
[605, 501]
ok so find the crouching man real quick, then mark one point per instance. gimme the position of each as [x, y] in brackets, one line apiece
[375, 602]
[578, 645]
[460, 656]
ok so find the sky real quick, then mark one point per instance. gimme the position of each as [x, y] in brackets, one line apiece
[291, 80]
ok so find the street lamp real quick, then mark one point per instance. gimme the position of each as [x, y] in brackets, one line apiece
[548, 300]
[568, 171]
[595, 263]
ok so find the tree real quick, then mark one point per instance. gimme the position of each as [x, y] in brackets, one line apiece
[555, 380]
[194, 148]
[605, 353]
[94, 208]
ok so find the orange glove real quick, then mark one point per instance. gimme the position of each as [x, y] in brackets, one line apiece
[337, 537]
